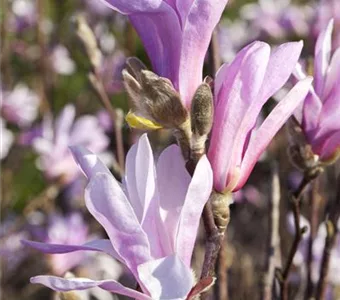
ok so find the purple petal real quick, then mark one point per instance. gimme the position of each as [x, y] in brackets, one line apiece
[65, 285]
[162, 37]
[88, 162]
[270, 126]
[331, 146]
[323, 49]
[197, 196]
[166, 278]
[97, 245]
[106, 201]
[240, 87]
[173, 181]
[202, 17]
[130, 7]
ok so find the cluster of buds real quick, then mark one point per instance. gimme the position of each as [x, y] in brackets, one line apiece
[158, 105]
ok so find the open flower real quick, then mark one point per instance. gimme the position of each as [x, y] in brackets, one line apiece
[176, 35]
[151, 221]
[20, 106]
[320, 120]
[52, 139]
[241, 89]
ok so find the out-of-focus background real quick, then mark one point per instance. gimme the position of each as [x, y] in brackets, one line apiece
[49, 102]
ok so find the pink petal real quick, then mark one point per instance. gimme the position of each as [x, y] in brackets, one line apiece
[63, 125]
[202, 17]
[88, 162]
[323, 49]
[333, 74]
[97, 245]
[147, 191]
[65, 285]
[107, 203]
[173, 181]
[240, 88]
[166, 278]
[197, 196]
[130, 182]
[270, 126]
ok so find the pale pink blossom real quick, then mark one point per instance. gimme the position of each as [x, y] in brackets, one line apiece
[151, 221]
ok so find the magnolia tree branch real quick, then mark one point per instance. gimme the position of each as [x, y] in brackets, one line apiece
[296, 203]
[273, 242]
[314, 223]
[332, 231]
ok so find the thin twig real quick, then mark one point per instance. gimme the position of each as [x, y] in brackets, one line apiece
[332, 231]
[273, 243]
[296, 199]
[45, 77]
[314, 223]
[222, 272]
[98, 85]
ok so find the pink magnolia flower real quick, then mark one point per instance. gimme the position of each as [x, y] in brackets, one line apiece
[151, 221]
[176, 35]
[325, 11]
[20, 106]
[277, 18]
[69, 230]
[51, 141]
[241, 89]
[320, 113]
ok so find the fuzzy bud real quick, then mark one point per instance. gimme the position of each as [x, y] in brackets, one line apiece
[201, 120]
[154, 97]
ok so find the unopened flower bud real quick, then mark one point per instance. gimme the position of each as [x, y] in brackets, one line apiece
[87, 37]
[201, 120]
[154, 97]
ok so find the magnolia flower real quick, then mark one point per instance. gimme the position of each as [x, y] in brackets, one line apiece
[69, 230]
[176, 35]
[20, 106]
[7, 139]
[61, 61]
[151, 221]
[52, 142]
[325, 11]
[241, 89]
[278, 18]
[319, 117]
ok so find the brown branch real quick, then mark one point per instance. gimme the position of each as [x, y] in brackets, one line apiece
[332, 231]
[314, 223]
[273, 242]
[222, 273]
[214, 54]
[296, 201]
[98, 86]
